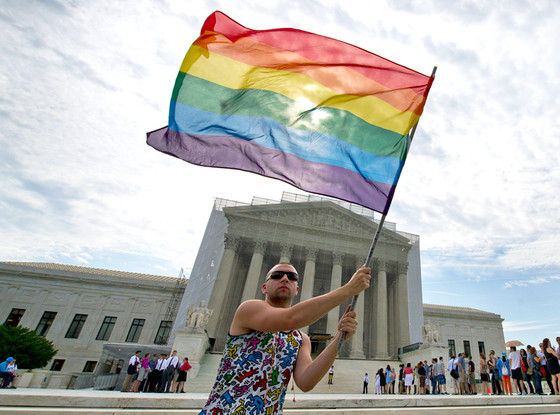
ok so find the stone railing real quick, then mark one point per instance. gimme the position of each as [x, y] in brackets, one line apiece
[106, 382]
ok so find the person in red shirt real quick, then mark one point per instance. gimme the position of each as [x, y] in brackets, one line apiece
[408, 378]
[182, 378]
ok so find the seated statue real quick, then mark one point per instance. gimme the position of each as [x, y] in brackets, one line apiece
[197, 317]
[430, 334]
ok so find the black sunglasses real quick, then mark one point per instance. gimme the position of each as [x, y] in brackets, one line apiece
[276, 275]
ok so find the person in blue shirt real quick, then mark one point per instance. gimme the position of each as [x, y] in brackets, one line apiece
[6, 375]
[505, 373]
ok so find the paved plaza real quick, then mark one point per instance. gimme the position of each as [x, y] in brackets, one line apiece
[87, 401]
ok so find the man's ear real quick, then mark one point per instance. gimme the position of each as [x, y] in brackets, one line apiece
[263, 288]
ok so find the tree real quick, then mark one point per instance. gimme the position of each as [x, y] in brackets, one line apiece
[28, 348]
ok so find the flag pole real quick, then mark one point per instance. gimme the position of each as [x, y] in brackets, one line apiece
[366, 263]
[378, 232]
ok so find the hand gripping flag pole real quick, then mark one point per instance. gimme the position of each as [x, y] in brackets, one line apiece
[375, 238]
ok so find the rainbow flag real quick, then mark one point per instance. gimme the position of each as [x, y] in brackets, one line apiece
[320, 114]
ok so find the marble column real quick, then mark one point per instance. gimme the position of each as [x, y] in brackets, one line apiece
[382, 326]
[220, 290]
[336, 282]
[306, 291]
[392, 314]
[308, 274]
[402, 305]
[357, 345]
[285, 252]
[254, 276]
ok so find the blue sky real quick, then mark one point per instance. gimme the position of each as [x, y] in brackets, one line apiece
[82, 83]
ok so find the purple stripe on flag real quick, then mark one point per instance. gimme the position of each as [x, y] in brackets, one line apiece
[235, 153]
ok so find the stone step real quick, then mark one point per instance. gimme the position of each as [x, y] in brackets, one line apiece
[84, 402]
[464, 410]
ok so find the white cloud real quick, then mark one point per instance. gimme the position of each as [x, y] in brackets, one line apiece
[541, 252]
[531, 325]
[531, 281]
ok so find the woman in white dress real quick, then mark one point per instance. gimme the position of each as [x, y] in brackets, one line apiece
[408, 377]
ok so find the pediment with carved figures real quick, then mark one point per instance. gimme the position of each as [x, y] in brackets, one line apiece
[311, 217]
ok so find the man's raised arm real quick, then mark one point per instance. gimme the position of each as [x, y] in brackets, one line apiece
[265, 316]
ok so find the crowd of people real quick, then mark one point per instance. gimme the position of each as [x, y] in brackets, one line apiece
[423, 378]
[162, 374]
[526, 369]
[520, 371]
[384, 381]
[410, 380]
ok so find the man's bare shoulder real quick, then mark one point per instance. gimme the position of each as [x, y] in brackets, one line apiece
[245, 314]
[251, 306]
[304, 352]
[305, 337]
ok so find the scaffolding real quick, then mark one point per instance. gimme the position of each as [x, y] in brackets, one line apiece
[171, 312]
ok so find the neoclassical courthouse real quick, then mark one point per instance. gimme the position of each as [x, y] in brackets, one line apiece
[83, 309]
[326, 242]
